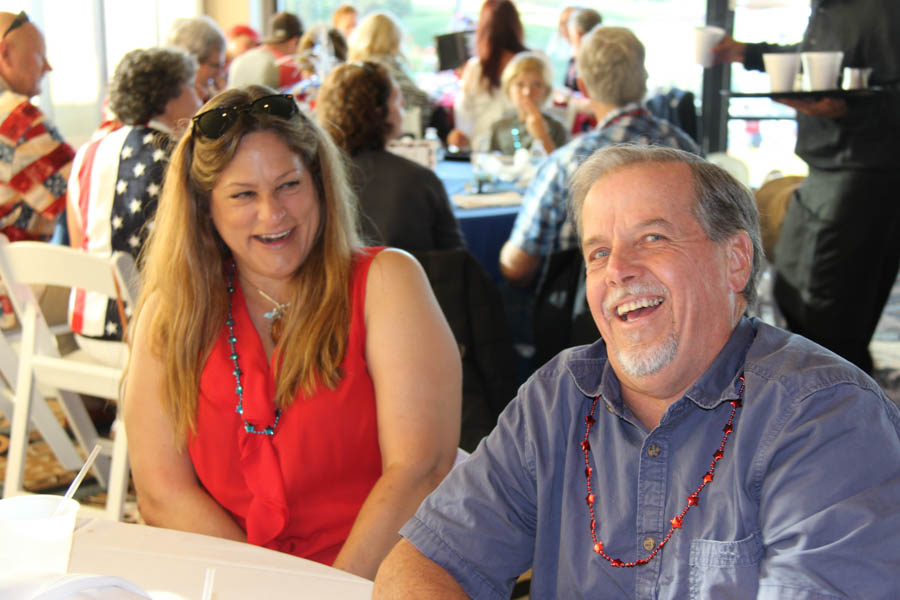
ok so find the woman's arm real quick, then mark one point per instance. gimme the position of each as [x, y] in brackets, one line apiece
[417, 373]
[169, 494]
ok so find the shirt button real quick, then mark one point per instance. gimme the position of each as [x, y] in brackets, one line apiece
[649, 544]
[609, 407]
[653, 451]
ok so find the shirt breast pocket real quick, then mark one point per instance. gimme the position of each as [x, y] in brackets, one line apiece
[725, 569]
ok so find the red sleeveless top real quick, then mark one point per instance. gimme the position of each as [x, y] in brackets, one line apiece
[299, 490]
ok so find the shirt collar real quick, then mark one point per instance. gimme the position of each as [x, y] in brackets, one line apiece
[159, 126]
[593, 375]
[618, 112]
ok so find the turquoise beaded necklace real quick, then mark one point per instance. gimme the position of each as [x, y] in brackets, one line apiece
[238, 387]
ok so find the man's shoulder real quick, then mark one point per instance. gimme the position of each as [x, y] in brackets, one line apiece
[580, 367]
[802, 369]
[650, 129]
[252, 59]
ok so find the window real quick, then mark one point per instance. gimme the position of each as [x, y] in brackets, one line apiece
[762, 133]
[656, 22]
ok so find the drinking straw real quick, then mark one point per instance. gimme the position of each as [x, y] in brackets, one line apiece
[208, 583]
[73, 487]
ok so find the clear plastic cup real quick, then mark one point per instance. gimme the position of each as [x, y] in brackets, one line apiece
[782, 68]
[35, 537]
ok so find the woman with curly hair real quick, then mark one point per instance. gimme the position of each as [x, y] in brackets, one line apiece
[115, 180]
[404, 204]
[287, 386]
[481, 101]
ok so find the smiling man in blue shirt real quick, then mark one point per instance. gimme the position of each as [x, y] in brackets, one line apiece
[692, 452]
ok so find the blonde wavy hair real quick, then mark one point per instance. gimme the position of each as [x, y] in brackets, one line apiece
[185, 263]
[378, 35]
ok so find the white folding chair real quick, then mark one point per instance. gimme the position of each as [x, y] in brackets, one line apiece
[42, 417]
[23, 264]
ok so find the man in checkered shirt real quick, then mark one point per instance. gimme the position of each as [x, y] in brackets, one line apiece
[613, 77]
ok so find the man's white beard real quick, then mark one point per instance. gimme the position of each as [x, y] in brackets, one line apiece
[647, 360]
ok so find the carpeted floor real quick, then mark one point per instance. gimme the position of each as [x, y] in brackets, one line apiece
[44, 474]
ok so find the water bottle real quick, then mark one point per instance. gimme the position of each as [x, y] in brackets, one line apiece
[434, 141]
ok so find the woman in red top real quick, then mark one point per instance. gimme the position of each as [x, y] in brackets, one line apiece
[287, 387]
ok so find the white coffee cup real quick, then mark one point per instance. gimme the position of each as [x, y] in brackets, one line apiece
[705, 38]
[855, 78]
[782, 68]
[35, 537]
[821, 70]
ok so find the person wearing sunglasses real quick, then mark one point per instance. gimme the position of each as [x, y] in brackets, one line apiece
[287, 386]
[116, 179]
[34, 160]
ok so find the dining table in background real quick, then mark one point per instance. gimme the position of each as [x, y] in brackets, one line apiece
[172, 565]
[484, 229]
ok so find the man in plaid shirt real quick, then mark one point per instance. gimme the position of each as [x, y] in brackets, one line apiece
[34, 159]
[612, 75]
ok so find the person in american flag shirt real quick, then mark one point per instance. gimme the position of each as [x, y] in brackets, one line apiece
[116, 178]
[34, 159]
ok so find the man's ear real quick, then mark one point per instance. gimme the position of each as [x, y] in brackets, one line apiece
[740, 260]
[582, 88]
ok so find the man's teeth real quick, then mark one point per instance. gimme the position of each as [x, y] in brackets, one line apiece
[626, 308]
[274, 237]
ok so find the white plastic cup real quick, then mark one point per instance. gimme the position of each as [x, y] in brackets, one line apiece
[782, 68]
[855, 79]
[821, 70]
[705, 38]
[35, 538]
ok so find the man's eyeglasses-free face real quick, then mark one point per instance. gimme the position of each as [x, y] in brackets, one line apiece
[20, 20]
[214, 123]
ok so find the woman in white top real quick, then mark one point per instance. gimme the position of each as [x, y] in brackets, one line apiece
[481, 102]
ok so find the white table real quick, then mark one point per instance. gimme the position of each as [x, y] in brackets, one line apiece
[171, 565]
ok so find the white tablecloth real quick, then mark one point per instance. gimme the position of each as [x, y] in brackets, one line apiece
[171, 565]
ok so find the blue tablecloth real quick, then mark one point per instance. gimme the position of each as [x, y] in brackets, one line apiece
[484, 229]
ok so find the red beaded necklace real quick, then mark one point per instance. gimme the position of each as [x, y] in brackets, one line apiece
[692, 500]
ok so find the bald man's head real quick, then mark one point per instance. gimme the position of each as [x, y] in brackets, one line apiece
[23, 55]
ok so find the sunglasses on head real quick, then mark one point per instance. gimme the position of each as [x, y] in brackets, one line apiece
[215, 122]
[20, 20]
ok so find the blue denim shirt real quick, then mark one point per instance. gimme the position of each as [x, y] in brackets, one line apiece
[804, 504]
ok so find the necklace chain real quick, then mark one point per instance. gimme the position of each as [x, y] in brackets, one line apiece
[692, 500]
[238, 386]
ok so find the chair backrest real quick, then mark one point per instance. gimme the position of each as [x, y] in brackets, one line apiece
[474, 310]
[23, 264]
[735, 166]
[562, 317]
[677, 107]
[27, 263]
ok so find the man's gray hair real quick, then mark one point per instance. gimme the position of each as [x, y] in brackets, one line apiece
[611, 65]
[584, 19]
[198, 36]
[723, 206]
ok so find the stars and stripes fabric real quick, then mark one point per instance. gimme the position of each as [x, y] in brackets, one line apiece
[34, 166]
[113, 192]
